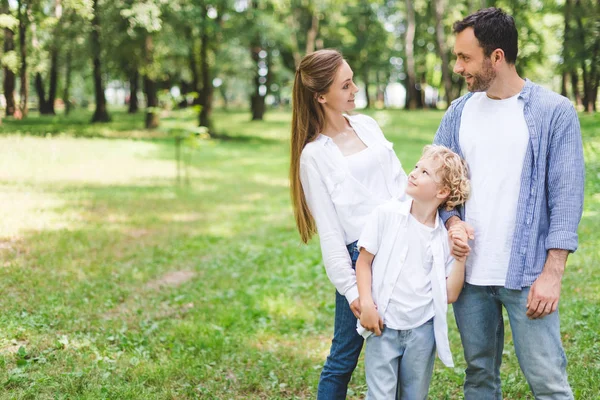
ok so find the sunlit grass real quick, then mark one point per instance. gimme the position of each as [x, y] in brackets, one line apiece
[117, 283]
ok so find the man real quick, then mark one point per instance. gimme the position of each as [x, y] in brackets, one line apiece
[524, 150]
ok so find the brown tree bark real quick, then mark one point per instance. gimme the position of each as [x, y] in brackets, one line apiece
[39, 88]
[134, 83]
[411, 90]
[440, 6]
[67, 88]
[257, 99]
[575, 87]
[9, 75]
[152, 118]
[365, 78]
[101, 113]
[584, 71]
[205, 95]
[23, 15]
[312, 33]
[53, 81]
[566, 44]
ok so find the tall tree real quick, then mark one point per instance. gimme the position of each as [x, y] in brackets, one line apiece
[101, 112]
[440, 9]
[23, 14]
[412, 93]
[9, 59]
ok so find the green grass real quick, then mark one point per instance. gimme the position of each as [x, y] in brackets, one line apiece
[117, 284]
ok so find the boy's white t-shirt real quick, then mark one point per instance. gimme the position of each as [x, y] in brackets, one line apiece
[387, 234]
[411, 304]
[493, 138]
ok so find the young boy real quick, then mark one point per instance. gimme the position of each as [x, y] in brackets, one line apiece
[406, 278]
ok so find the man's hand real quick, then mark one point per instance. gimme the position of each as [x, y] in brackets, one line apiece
[460, 248]
[544, 294]
[355, 307]
[370, 319]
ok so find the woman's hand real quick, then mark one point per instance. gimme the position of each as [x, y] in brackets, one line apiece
[355, 307]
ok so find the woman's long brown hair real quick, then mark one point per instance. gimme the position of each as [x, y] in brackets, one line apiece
[314, 76]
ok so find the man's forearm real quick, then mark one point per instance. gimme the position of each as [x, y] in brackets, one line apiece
[556, 261]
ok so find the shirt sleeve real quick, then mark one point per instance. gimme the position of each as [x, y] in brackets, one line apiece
[338, 264]
[565, 181]
[370, 236]
[449, 260]
[445, 137]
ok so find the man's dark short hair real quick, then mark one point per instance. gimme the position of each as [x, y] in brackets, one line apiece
[494, 29]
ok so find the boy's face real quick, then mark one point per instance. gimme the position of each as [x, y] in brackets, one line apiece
[424, 184]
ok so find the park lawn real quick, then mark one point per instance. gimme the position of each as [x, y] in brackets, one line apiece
[116, 283]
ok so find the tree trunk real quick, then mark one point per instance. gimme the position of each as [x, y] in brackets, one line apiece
[443, 49]
[194, 68]
[53, 81]
[9, 75]
[566, 45]
[134, 79]
[152, 120]
[101, 113]
[206, 93]
[581, 37]
[575, 87]
[24, 90]
[312, 33]
[39, 88]
[257, 100]
[67, 89]
[365, 78]
[411, 90]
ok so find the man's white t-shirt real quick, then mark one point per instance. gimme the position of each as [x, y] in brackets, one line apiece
[493, 138]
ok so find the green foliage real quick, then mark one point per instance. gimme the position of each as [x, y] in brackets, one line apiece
[118, 284]
[8, 21]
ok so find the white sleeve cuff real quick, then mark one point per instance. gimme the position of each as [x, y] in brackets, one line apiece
[351, 294]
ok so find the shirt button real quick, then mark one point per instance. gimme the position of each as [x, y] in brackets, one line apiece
[532, 191]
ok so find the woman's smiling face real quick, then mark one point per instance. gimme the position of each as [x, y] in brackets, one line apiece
[340, 96]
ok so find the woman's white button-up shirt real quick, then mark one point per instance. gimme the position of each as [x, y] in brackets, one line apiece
[339, 203]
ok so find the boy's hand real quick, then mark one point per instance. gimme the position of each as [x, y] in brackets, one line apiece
[460, 248]
[458, 236]
[370, 319]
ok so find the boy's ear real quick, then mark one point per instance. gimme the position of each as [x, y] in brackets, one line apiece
[443, 192]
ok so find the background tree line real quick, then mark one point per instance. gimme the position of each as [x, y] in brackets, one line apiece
[228, 51]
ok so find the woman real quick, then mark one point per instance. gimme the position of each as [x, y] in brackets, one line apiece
[342, 167]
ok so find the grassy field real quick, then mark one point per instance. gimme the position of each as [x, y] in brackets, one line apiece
[115, 283]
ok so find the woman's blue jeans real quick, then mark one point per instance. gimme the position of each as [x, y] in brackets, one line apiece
[345, 347]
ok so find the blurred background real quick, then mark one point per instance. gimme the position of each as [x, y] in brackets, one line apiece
[153, 55]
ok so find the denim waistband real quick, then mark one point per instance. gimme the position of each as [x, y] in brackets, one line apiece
[352, 246]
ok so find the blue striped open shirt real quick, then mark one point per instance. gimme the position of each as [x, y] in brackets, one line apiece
[551, 194]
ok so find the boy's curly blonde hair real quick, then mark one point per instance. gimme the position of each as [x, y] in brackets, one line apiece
[453, 172]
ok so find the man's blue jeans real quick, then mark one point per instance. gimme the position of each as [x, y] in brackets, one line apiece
[345, 347]
[538, 346]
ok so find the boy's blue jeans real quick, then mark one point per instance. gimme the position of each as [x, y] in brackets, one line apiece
[345, 347]
[538, 347]
[399, 364]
